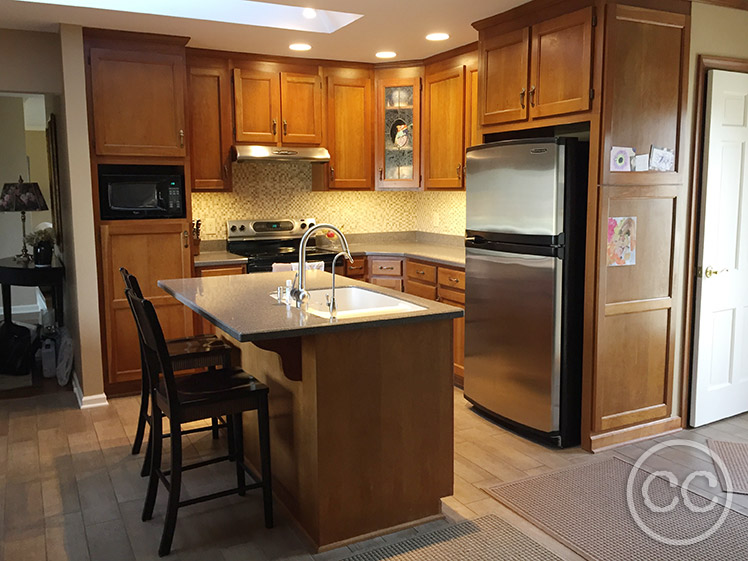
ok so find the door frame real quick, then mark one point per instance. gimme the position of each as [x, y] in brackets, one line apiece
[704, 65]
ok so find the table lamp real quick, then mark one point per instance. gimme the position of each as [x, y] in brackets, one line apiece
[22, 197]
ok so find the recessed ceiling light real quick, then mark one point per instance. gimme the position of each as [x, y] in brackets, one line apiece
[243, 12]
[386, 54]
[437, 36]
[299, 47]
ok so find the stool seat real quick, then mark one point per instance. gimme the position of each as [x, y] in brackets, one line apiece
[200, 351]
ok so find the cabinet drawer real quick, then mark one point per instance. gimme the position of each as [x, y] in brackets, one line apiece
[421, 272]
[449, 296]
[386, 267]
[452, 278]
[357, 268]
[220, 271]
[417, 288]
[394, 284]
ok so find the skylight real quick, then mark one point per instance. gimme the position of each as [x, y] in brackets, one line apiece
[245, 12]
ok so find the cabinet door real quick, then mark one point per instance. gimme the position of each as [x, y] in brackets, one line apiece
[150, 250]
[503, 77]
[444, 129]
[349, 116]
[397, 143]
[561, 70]
[458, 342]
[472, 123]
[138, 103]
[256, 106]
[301, 108]
[210, 129]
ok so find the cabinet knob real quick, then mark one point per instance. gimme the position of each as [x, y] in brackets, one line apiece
[285, 127]
[332, 173]
[532, 96]
[522, 97]
[381, 174]
[181, 138]
[275, 127]
[459, 171]
[225, 171]
[186, 237]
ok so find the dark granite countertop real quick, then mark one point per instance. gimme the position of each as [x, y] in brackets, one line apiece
[242, 305]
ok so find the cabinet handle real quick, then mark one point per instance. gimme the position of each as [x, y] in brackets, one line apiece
[225, 171]
[186, 237]
[181, 138]
[352, 268]
[381, 174]
[285, 127]
[452, 279]
[332, 173]
[421, 272]
[275, 127]
[522, 97]
[381, 268]
[532, 96]
[459, 171]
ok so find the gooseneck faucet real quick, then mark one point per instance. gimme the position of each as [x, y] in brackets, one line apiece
[300, 294]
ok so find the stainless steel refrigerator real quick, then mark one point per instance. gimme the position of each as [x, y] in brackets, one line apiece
[524, 249]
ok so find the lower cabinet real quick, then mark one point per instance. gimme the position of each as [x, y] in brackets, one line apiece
[203, 326]
[150, 250]
[386, 272]
[446, 285]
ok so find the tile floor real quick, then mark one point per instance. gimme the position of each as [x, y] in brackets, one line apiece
[70, 490]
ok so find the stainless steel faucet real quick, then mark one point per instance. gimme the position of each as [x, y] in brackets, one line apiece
[300, 293]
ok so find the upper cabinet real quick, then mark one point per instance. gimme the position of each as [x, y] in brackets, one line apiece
[137, 102]
[397, 135]
[444, 129]
[349, 132]
[537, 72]
[209, 116]
[277, 107]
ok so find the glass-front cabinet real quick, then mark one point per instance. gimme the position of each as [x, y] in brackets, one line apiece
[398, 134]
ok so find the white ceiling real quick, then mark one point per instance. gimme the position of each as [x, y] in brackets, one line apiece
[396, 25]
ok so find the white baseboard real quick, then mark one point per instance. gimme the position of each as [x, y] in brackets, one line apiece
[87, 401]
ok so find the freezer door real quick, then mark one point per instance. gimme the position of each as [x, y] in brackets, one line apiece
[516, 188]
[513, 336]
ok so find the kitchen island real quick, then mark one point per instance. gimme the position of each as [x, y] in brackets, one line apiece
[361, 408]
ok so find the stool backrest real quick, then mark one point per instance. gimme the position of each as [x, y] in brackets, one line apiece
[153, 344]
[131, 282]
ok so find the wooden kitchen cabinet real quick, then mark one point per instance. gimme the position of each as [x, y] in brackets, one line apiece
[386, 271]
[444, 129]
[138, 105]
[277, 107]
[203, 326]
[357, 269]
[397, 137]
[209, 113]
[537, 72]
[349, 125]
[150, 250]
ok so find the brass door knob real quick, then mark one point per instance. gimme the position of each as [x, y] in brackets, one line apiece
[709, 273]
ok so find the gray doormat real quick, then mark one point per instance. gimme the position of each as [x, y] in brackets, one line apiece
[586, 508]
[484, 539]
[735, 457]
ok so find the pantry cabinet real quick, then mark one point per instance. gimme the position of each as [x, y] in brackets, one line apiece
[277, 107]
[503, 77]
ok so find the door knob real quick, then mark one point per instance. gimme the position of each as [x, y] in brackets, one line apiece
[709, 273]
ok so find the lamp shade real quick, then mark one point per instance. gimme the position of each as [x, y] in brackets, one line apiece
[17, 197]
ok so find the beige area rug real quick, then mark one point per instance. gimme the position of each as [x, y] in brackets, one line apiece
[586, 508]
[735, 457]
[488, 538]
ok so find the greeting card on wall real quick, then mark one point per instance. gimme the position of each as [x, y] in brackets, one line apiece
[621, 241]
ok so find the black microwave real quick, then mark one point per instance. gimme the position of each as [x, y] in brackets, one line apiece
[132, 192]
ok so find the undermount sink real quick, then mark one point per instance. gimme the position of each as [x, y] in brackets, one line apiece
[353, 302]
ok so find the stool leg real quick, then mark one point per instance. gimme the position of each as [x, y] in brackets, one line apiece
[267, 484]
[140, 431]
[214, 422]
[230, 438]
[146, 469]
[236, 421]
[155, 442]
[175, 487]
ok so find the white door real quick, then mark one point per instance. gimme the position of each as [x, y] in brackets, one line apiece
[721, 313]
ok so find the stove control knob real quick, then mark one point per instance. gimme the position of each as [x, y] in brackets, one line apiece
[233, 228]
[303, 225]
[242, 228]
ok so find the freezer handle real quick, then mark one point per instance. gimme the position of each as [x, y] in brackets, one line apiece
[520, 249]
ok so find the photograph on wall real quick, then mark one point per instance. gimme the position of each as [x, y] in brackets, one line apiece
[621, 241]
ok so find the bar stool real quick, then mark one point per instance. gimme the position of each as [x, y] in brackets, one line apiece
[224, 392]
[202, 351]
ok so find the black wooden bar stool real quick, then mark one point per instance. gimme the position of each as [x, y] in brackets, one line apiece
[224, 392]
[202, 351]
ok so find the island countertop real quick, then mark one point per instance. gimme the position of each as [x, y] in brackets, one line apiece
[242, 305]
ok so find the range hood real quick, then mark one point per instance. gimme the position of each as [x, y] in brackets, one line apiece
[244, 153]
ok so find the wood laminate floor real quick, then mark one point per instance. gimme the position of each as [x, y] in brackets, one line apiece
[70, 490]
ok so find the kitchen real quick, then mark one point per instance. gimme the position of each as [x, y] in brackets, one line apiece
[408, 236]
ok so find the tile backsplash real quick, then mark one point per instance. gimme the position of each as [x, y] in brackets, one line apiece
[265, 190]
